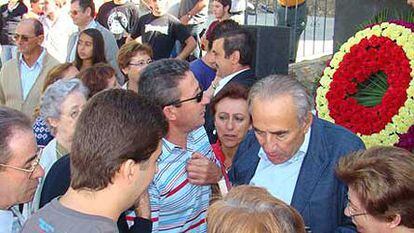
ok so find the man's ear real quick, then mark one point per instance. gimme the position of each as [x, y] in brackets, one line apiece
[308, 122]
[395, 221]
[127, 170]
[235, 57]
[170, 112]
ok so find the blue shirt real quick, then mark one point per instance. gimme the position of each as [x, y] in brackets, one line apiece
[177, 205]
[28, 74]
[280, 179]
[203, 73]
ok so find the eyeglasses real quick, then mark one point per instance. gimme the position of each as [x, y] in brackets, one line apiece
[23, 38]
[351, 210]
[141, 63]
[178, 103]
[33, 165]
[74, 13]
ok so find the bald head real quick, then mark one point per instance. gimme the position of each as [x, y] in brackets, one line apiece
[37, 26]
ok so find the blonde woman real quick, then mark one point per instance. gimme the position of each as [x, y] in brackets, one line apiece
[250, 209]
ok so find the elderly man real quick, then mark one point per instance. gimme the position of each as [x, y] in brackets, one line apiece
[115, 149]
[293, 154]
[19, 170]
[21, 79]
[180, 192]
[82, 13]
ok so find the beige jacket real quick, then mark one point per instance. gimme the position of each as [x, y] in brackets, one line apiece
[11, 93]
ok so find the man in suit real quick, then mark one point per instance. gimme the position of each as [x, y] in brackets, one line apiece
[292, 153]
[19, 167]
[21, 79]
[82, 13]
[233, 55]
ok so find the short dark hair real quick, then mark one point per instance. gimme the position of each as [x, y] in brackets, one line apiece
[98, 52]
[96, 77]
[382, 178]
[85, 4]
[222, 27]
[159, 80]
[233, 91]
[115, 125]
[10, 120]
[238, 40]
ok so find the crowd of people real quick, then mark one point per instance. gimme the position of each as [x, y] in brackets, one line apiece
[117, 122]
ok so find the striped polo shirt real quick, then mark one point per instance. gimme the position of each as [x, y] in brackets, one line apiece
[177, 205]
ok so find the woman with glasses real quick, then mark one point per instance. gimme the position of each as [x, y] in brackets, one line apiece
[381, 189]
[11, 14]
[61, 105]
[133, 57]
[232, 121]
[40, 129]
[90, 49]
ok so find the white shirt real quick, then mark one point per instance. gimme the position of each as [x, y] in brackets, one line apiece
[280, 179]
[28, 74]
[225, 80]
[11, 221]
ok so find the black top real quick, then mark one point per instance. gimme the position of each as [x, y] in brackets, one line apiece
[160, 32]
[9, 21]
[118, 19]
[57, 183]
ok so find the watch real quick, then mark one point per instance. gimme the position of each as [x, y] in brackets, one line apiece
[189, 16]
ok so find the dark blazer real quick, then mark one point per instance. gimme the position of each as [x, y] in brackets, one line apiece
[246, 78]
[318, 196]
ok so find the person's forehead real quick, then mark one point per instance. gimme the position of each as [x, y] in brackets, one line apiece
[22, 146]
[277, 111]
[25, 28]
[75, 5]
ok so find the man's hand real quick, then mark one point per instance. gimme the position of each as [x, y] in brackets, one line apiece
[185, 19]
[142, 206]
[202, 171]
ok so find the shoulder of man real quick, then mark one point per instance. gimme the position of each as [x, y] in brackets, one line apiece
[337, 137]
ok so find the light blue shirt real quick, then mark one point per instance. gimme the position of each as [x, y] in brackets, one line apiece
[280, 179]
[28, 74]
[92, 24]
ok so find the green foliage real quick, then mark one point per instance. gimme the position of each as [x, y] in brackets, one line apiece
[370, 92]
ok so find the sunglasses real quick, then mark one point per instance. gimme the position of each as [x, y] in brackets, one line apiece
[23, 38]
[178, 103]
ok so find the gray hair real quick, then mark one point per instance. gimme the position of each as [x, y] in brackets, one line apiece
[159, 80]
[56, 94]
[277, 85]
[10, 119]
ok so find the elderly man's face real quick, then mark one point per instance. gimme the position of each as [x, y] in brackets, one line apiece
[20, 185]
[277, 128]
[81, 17]
[26, 40]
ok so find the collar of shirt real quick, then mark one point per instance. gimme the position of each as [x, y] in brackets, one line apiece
[92, 24]
[227, 79]
[169, 147]
[39, 61]
[303, 149]
[6, 220]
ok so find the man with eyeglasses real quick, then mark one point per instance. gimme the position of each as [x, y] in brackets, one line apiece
[22, 78]
[19, 170]
[82, 13]
[181, 190]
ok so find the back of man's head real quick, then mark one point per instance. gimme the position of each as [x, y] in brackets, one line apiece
[159, 80]
[238, 40]
[11, 121]
[115, 126]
